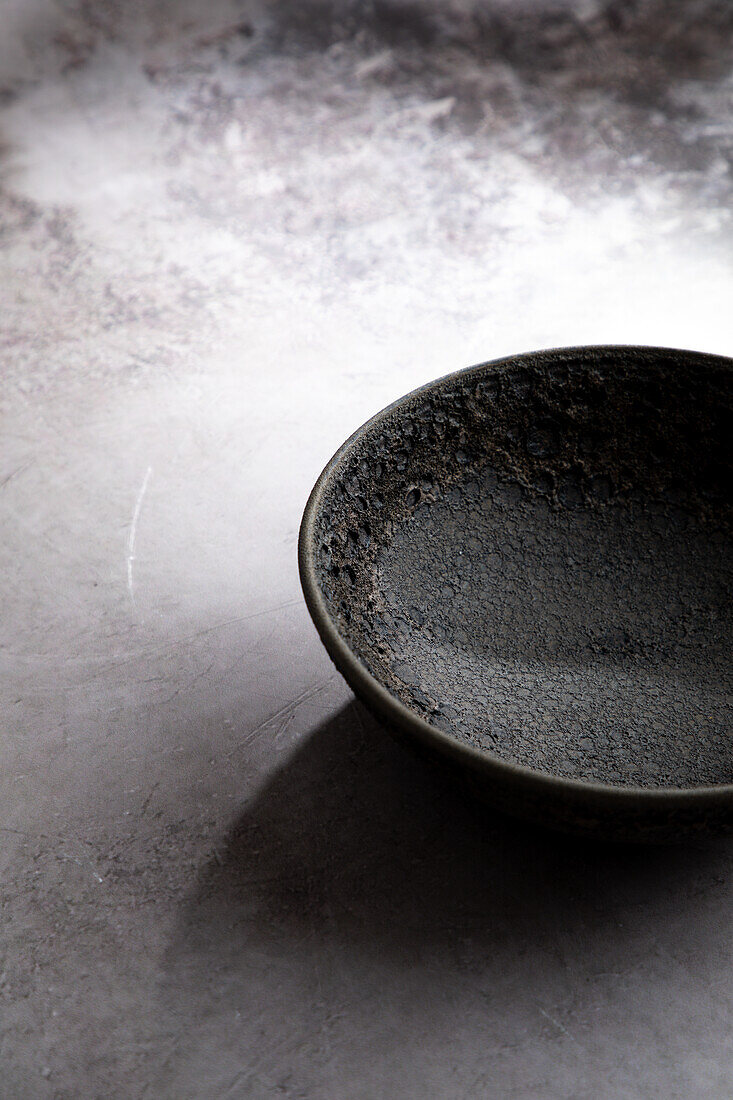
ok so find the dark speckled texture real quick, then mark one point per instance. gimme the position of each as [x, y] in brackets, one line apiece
[534, 557]
[590, 641]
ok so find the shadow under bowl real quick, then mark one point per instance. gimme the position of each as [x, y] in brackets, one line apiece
[524, 569]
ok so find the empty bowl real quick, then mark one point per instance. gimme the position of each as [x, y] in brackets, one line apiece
[524, 569]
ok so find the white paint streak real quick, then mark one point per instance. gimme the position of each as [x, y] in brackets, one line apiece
[133, 531]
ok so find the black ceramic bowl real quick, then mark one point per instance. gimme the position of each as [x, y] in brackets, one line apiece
[524, 569]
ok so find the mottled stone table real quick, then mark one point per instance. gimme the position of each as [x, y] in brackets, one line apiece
[229, 232]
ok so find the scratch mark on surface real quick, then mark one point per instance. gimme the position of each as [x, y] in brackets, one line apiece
[133, 530]
[85, 866]
[146, 803]
[22, 832]
[126, 657]
[285, 713]
[241, 619]
[14, 473]
[235, 1083]
[190, 686]
[284, 726]
[557, 1024]
[48, 836]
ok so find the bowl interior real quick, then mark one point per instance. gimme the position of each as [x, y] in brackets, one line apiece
[535, 557]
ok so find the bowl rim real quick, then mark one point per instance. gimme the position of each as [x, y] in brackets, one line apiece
[392, 709]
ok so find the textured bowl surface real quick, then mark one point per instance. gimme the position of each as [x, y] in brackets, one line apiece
[525, 567]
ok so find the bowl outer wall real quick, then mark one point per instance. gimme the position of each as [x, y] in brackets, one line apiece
[598, 809]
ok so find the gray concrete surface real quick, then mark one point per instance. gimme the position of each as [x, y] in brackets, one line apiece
[229, 233]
